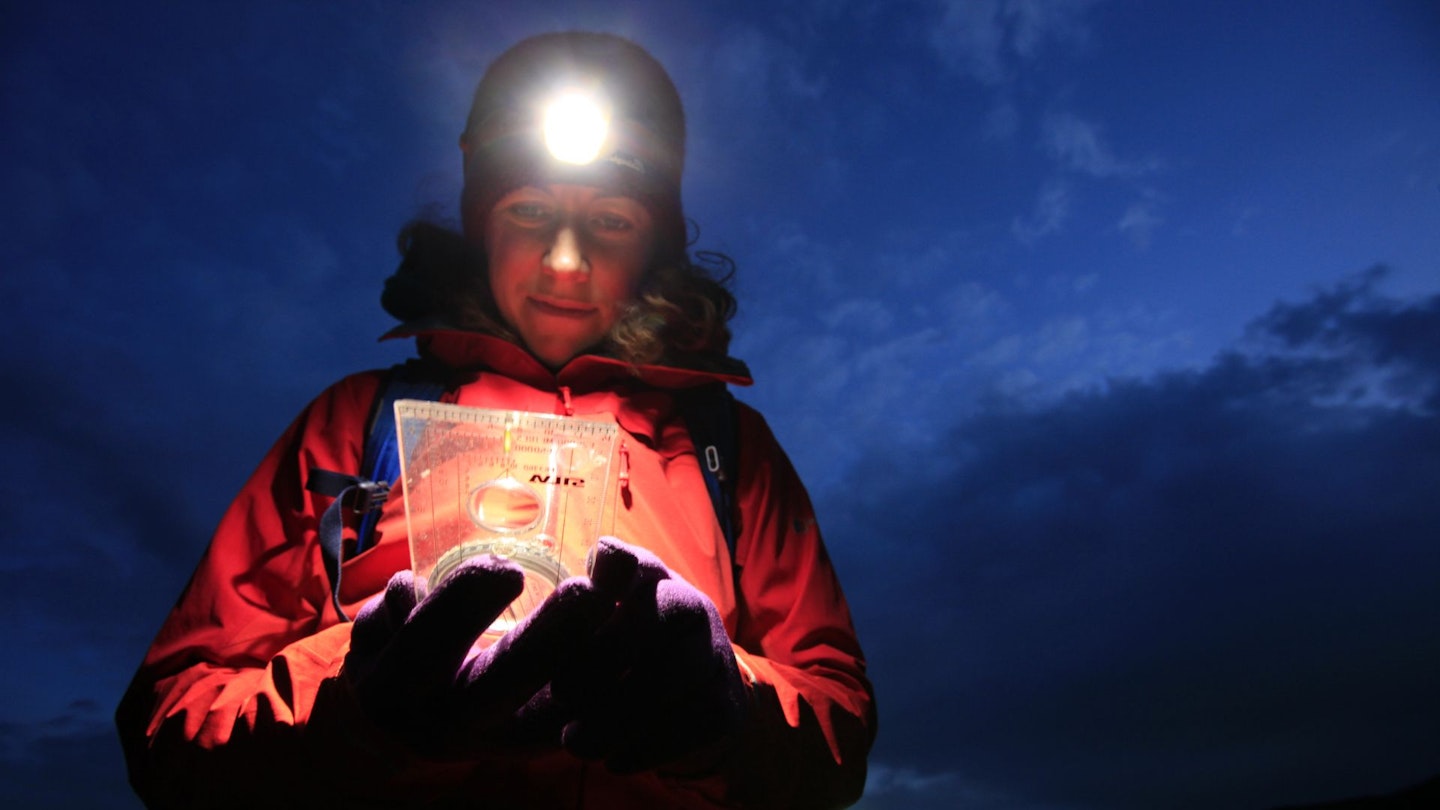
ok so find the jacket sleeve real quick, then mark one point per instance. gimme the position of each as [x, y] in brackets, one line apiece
[216, 716]
[812, 717]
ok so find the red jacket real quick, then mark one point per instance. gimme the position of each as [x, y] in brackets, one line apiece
[220, 711]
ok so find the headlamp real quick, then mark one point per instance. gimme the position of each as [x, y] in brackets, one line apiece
[568, 131]
[575, 126]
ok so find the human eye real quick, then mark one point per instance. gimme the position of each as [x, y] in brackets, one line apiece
[612, 223]
[528, 211]
[526, 207]
[618, 217]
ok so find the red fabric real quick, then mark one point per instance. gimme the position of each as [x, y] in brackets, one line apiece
[238, 703]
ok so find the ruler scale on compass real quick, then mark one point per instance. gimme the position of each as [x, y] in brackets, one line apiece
[529, 487]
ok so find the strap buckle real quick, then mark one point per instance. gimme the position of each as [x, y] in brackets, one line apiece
[369, 496]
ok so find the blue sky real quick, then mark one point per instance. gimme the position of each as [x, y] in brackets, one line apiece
[1068, 312]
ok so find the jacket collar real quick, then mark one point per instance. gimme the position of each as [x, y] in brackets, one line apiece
[467, 350]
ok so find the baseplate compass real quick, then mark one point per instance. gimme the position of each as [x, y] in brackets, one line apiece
[529, 487]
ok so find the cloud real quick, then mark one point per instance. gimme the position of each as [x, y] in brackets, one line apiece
[991, 40]
[942, 337]
[1062, 340]
[818, 332]
[1375, 351]
[970, 38]
[749, 74]
[1052, 208]
[1001, 122]
[1080, 146]
[885, 780]
[1140, 221]
[1202, 589]
[888, 787]
[71, 762]
[750, 61]
[1034, 23]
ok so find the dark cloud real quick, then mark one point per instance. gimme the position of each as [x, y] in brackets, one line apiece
[1207, 589]
[71, 761]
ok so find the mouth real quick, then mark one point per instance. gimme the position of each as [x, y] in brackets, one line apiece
[561, 307]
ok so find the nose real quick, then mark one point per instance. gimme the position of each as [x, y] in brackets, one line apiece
[564, 255]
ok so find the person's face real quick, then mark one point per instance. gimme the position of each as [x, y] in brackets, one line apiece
[563, 259]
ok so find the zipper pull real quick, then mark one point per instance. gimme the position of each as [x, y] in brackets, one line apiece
[624, 466]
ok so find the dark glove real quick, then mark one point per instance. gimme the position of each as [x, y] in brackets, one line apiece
[659, 680]
[412, 672]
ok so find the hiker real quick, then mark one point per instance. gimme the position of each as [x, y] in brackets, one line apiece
[705, 658]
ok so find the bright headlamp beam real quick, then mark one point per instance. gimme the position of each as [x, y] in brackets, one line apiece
[575, 126]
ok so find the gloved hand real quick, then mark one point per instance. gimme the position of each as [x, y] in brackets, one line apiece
[412, 673]
[659, 680]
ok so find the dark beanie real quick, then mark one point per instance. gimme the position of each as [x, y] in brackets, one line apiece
[643, 158]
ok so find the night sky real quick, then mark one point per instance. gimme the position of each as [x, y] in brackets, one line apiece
[1105, 334]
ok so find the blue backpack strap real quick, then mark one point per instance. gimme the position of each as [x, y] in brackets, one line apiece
[342, 488]
[709, 413]
[366, 492]
[381, 463]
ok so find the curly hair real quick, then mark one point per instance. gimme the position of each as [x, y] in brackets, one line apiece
[679, 316]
